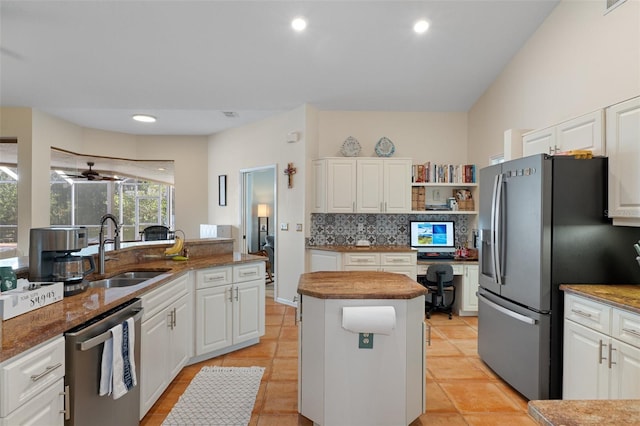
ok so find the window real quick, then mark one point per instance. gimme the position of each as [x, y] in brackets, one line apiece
[8, 207]
[136, 203]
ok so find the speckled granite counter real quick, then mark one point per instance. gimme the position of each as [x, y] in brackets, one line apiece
[621, 296]
[28, 330]
[374, 249]
[359, 285]
[582, 413]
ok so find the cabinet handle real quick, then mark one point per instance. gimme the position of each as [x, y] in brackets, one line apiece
[46, 371]
[611, 349]
[631, 331]
[600, 357]
[237, 293]
[175, 317]
[170, 318]
[580, 313]
[67, 406]
[214, 278]
[247, 274]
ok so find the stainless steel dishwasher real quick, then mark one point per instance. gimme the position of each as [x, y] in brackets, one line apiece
[84, 345]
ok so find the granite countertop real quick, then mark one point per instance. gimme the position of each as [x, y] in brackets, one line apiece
[359, 285]
[373, 249]
[621, 296]
[588, 412]
[28, 330]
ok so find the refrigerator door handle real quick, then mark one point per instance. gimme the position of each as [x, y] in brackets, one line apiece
[514, 315]
[495, 228]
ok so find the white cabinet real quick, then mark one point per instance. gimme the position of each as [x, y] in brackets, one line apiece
[398, 263]
[623, 149]
[32, 386]
[581, 133]
[324, 260]
[601, 357]
[364, 185]
[466, 282]
[229, 307]
[382, 185]
[166, 340]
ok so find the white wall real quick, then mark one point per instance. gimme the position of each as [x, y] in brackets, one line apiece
[37, 132]
[257, 145]
[423, 136]
[579, 60]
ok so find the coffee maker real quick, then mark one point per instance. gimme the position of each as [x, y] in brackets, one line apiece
[51, 257]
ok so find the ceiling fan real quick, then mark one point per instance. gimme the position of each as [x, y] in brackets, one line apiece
[91, 174]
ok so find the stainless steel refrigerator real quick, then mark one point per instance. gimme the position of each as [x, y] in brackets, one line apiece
[542, 223]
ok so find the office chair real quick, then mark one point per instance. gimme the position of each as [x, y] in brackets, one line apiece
[156, 233]
[439, 282]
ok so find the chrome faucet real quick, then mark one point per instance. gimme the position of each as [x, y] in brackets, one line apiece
[103, 241]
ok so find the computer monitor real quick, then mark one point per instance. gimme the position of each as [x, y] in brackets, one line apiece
[431, 236]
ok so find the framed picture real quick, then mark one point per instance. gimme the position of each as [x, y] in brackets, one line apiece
[222, 190]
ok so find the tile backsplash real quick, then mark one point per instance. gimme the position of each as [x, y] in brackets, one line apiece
[378, 229]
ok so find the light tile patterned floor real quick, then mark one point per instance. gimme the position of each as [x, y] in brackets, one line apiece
[461, 390]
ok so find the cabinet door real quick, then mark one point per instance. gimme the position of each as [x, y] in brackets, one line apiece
[248, 311]
[154, 359]
[397, 186]
[469, 288]
[623, 149]
[341, 186]
[46, 408]
[625, 373]
[409, 271]
[539, 142]
[213, 319]
[585, 368]
[370, 186]
[181, 341]
[322, 260]
[584, 132]
[319, 201]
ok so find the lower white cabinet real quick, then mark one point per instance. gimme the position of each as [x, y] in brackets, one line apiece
[229, 306]
[364, 260]
[32, 386]
[166, 339]
[601, 357]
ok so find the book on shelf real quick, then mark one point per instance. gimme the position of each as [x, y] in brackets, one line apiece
[443, 173]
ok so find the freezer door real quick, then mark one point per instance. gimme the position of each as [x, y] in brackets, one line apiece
[514, 342]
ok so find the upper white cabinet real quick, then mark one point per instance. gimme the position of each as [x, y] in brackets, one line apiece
[362, 185]
[623, 149]
[581, 133]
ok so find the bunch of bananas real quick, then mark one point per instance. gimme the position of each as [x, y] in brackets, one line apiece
[176, 248]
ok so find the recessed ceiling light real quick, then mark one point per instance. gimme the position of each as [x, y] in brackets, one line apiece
[421, 26]
[143, 118]
[299, 24]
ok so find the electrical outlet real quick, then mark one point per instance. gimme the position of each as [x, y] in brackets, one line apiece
[436, 194]
[284, 226]
[299, 227]
[365, 340]
[361, 227]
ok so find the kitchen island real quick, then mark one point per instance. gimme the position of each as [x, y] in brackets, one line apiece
[361, 348]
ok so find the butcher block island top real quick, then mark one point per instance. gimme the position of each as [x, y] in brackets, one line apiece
[359, 285]
[28, 330]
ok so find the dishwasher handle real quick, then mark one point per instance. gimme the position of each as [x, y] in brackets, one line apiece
[103, 337]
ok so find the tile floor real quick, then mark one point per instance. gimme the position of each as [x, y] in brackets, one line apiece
[461, 390]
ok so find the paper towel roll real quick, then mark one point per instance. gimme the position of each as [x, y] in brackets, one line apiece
[369, 319]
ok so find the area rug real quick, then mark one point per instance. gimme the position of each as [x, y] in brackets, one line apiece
[218, 396]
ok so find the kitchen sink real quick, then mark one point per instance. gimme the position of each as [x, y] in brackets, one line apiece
[145, 275]
[126, 279]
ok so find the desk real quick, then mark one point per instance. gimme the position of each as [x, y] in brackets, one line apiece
[465, 279]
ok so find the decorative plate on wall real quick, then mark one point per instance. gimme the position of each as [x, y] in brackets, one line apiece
[350, 147]
[385, 148]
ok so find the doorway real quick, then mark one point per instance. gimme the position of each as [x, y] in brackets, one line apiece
[259, 212]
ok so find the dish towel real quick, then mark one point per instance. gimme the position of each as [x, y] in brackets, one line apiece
[118, 367]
